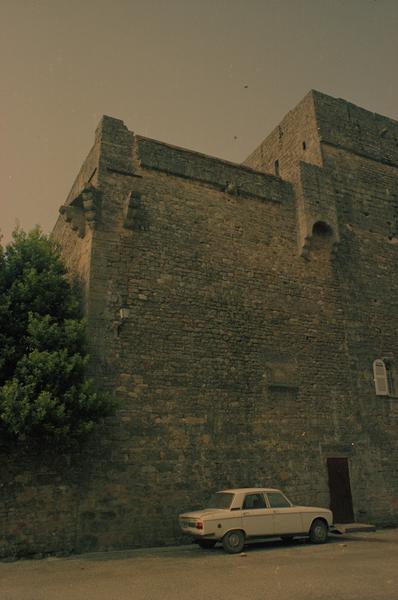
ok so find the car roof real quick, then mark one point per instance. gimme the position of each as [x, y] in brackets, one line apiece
[249, 489]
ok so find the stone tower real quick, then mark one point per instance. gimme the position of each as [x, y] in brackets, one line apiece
[241, 315]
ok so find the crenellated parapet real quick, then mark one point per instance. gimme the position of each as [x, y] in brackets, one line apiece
[231, 178]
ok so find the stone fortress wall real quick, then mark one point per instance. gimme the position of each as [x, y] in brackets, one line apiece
[235, 311]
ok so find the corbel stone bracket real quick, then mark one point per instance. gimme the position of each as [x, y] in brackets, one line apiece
[74, 216]
[83, 212]
[91, 199]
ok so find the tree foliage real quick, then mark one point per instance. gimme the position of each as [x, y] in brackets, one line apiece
[44, 393]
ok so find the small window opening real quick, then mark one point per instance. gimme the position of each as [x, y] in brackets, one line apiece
[322, 229]
[385, 377]
[276, 167]
[321, 239]
[304, 146]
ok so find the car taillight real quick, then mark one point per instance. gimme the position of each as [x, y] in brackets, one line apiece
[199, 525]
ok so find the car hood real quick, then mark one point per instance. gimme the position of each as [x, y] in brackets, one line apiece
[204, 512]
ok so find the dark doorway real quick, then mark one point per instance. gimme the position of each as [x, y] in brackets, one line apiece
[340, 490]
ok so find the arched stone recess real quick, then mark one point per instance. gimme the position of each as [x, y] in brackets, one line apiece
[316, 208]
[320, 237]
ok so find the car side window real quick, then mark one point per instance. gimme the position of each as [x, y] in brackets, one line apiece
[253, 501]
[277, 500]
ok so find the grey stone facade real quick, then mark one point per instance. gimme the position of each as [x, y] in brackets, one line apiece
[236, 312]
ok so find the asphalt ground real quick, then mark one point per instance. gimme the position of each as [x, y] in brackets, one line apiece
[361, 566]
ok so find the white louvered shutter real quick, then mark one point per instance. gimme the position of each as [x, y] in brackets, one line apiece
[380, 378]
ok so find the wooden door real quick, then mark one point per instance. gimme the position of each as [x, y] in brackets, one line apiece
[340, 490]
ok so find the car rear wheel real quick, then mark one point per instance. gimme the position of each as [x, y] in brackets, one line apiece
[207, 544]
[233, 541]
[318, 532]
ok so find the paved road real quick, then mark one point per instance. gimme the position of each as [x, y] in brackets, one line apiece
[350, 567]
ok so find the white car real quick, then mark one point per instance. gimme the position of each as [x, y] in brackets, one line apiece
[234, 516]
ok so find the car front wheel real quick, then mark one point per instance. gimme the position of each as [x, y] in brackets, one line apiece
[233, 541]
[318, 532]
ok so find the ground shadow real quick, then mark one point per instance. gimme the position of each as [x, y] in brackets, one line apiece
[193, 551]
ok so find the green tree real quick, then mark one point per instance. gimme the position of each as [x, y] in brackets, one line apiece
[44, 393]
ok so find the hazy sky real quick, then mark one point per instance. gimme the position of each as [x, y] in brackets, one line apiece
[174, 70]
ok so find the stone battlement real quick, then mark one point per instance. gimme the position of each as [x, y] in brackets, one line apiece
[230, 177]
[355, 129]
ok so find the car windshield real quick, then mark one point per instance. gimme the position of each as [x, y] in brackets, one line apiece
[220, 500]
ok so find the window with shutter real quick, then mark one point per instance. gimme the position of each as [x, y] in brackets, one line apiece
[380, 377]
